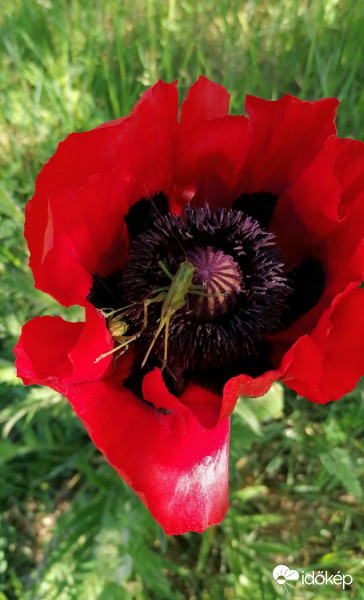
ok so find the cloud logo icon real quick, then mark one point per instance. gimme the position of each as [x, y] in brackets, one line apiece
[283, 575]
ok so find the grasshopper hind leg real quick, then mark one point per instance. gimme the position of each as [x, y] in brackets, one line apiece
[165, 356]
[123, 346]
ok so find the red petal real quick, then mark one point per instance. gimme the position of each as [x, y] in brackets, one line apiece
[344, 251]
[244, 385]
[303, 368]
[155, 391]
[177, 468]
[75, 221]
[344, 248]
[328, 364]
[344, 357]
[307, 220]
[286, 135]
[307, 211]
[204, 405]
[42, 350]
[82, 235]
[52, 351]
[349, 170]
[205, 100]
[210, 159]
[94, 340]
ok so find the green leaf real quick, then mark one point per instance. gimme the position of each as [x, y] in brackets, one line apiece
[251, 491]
[255, 410]
[9, 450]
[338, 463]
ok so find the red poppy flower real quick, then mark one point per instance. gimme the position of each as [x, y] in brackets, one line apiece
[269, 212]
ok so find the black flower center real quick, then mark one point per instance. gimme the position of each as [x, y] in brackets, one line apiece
[212, 285]
[237, 293]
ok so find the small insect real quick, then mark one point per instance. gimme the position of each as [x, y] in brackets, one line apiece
[118, 327]
[173, 298]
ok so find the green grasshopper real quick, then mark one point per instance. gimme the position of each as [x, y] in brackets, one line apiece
[173, 298]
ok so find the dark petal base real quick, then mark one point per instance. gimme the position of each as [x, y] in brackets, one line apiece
[142, 214]
[308, 283]
[259, 205]
[105, 291]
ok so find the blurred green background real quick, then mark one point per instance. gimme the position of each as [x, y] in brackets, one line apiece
[70, 528]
